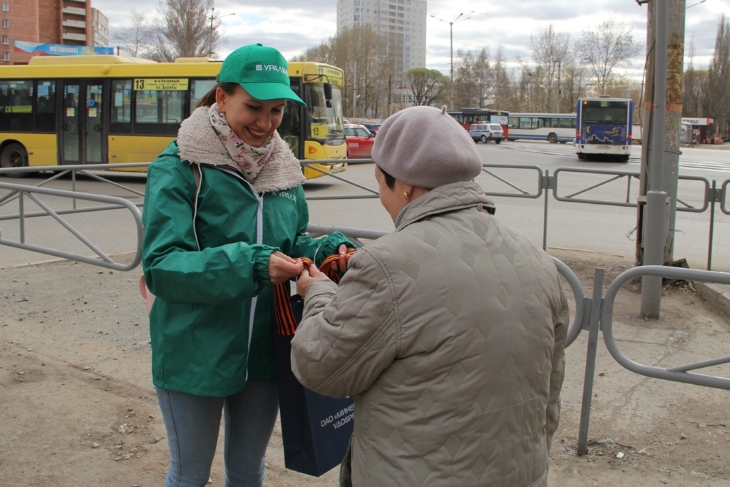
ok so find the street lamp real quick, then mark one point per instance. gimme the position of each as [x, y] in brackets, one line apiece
[451, 44]
[212, 18]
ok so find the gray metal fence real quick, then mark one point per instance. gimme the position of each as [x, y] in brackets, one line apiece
[593, 314]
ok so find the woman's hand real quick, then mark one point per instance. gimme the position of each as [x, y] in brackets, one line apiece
[282, 267]
[308, 276]
[341, 263]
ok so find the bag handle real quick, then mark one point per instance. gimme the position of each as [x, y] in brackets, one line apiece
[282, 304]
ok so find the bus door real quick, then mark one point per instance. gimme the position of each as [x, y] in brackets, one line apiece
[82, 138]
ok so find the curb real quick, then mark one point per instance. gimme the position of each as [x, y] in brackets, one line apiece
[717, 295]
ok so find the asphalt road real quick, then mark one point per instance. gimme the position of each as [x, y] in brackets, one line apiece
[594, 227]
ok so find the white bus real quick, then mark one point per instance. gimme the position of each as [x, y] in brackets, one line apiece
[553, 127]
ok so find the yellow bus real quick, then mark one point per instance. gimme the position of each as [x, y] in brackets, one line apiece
[111, 109]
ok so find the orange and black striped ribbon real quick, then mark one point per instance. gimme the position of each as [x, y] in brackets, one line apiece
[282, 306]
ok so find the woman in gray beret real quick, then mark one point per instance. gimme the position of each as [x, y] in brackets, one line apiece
[449, 332]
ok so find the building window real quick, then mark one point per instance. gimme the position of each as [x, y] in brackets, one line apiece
[6, 7]
[6, 23]
[6, 56]
[6, 40]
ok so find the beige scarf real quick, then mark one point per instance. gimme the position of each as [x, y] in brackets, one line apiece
[248, 158]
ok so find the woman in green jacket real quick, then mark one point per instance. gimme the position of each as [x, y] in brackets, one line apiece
[225, 220]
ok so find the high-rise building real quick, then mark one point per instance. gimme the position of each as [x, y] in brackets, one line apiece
[99, 29]
[65, 22]
[401, 22]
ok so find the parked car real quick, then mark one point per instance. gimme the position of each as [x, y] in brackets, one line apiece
[484, 132]
[359, 141]
[372, 127]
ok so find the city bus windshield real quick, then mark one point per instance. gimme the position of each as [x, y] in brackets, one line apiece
[326, 122]
[605, 112]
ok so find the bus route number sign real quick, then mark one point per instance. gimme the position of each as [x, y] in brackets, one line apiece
[161, 84]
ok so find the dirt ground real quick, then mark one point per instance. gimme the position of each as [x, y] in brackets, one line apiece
[78, 408]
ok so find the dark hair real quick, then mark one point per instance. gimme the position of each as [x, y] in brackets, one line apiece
[389, 180]
[209, 98]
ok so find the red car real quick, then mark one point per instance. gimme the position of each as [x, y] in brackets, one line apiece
[359, 141]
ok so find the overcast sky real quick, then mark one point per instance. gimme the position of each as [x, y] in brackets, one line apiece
[294, 25]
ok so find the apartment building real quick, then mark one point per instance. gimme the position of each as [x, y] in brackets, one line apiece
[99, 29]
[401, 22]
[38, 22]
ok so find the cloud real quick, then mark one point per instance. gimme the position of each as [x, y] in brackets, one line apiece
[293, 26]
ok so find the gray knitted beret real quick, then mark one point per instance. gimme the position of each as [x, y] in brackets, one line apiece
[426, 147]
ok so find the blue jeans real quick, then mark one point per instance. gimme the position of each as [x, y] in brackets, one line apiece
[193, 422]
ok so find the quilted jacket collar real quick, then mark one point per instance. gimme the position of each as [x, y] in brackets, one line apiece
[449, 197]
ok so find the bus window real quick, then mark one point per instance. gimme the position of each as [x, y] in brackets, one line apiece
[159, 106]
[198, 89]
[567, 123]
[540, 123]
[514, 122]
[45, 120]
[17, 100]
[121, 101]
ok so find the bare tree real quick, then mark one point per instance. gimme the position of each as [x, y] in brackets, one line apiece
[466, 92]
[694, 86]
[719, 79]
[370, 71]
[606, 47]
[427, 85]
[185, 28]
[550, 52]
[134, 39]
[501, 84]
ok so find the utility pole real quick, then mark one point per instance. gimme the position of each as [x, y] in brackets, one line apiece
[557, 108]
[390, 85]
[657, 207]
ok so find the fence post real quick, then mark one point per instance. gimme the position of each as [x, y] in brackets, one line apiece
[585, 411]
[547, 184]
[713, 193]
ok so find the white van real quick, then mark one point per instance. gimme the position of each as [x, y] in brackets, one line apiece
[484, 132]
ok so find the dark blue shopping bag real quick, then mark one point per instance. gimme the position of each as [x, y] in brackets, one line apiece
[315, 429]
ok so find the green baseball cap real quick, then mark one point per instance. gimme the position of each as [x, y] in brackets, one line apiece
[260, 70]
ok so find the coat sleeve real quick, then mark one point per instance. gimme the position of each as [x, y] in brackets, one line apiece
[348, 334]
[174, 269]
[316, 249]
[561, 323]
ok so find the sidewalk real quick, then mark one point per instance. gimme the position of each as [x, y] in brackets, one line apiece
[80, 409]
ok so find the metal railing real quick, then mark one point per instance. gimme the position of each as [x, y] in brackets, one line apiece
[21, 192]
[591, 314]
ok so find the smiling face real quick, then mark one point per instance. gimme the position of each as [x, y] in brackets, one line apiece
[254, 121]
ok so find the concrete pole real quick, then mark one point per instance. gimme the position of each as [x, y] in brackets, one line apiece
[655, 210]
[451, 48]
[673, 103]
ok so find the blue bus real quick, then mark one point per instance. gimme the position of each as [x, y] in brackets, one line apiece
[603, 128]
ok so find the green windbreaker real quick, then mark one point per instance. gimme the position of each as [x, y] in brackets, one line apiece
[199, 323]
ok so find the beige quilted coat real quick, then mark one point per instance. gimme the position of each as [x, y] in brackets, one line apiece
[450, 333]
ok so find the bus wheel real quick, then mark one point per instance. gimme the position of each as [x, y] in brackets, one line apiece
[14, 155]
[581, 156]
[552, 138]
[497, 141]
[484, 139]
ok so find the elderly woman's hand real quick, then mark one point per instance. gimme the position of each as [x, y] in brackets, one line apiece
[308, 276]
[341, 263]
